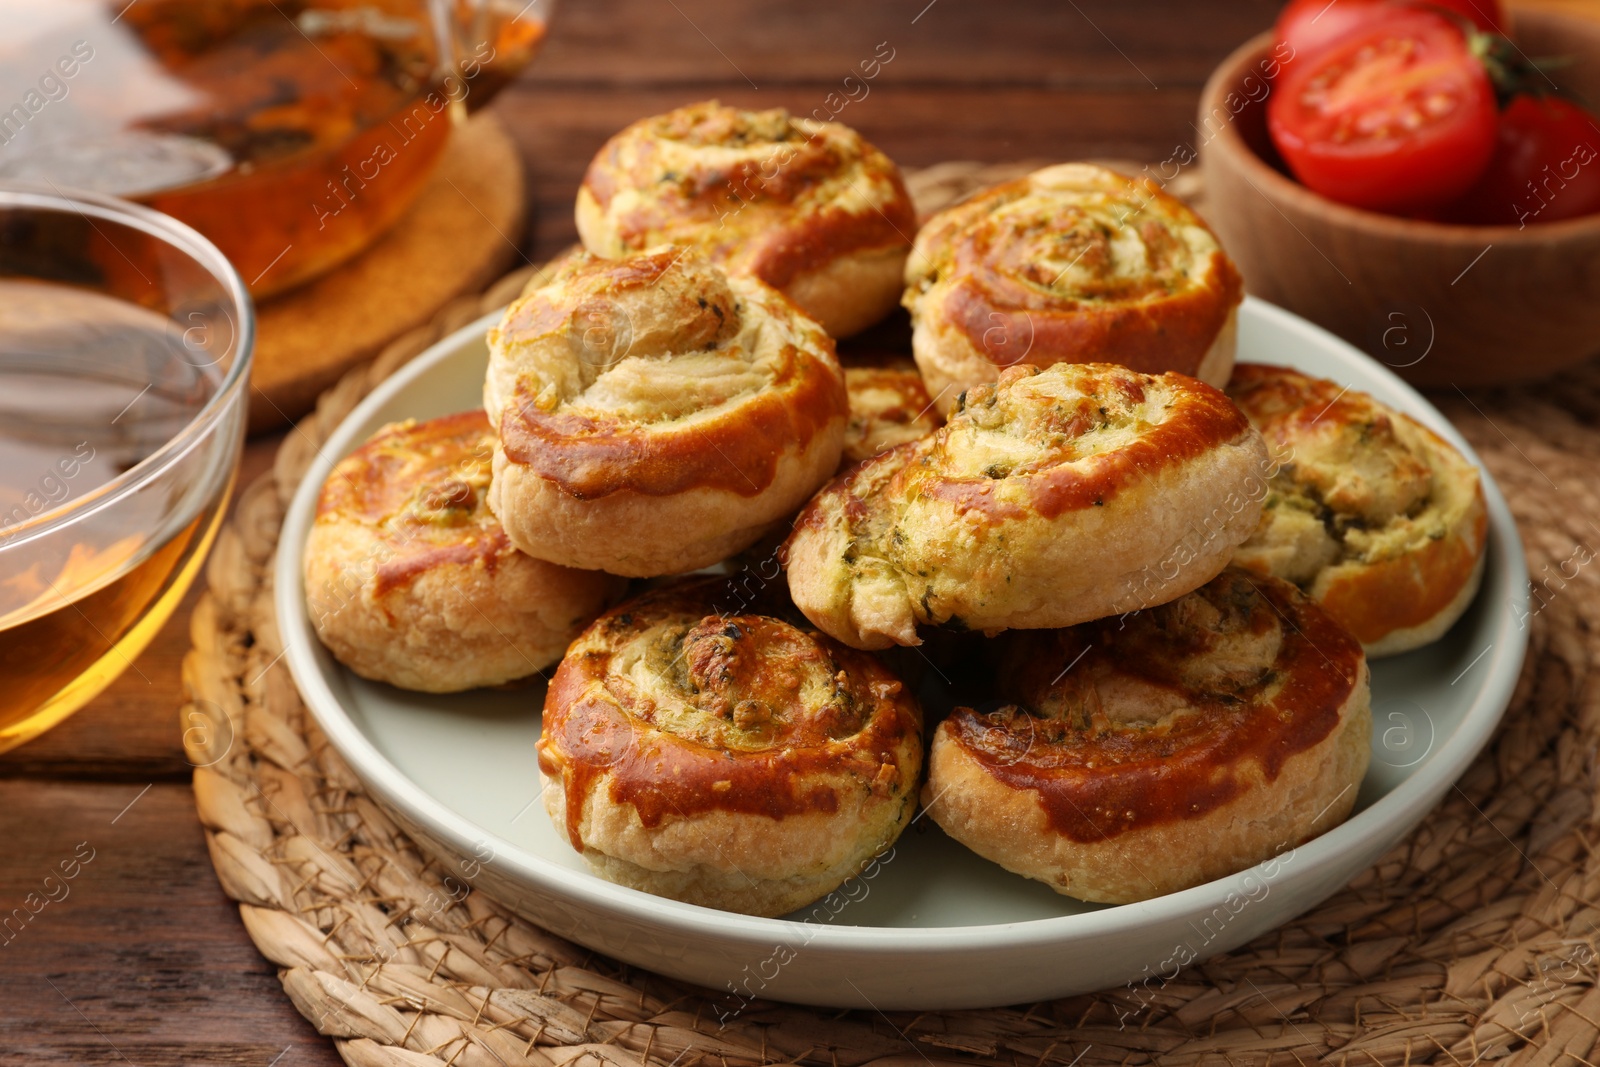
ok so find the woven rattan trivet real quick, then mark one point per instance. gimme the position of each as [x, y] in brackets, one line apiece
[1474, 939]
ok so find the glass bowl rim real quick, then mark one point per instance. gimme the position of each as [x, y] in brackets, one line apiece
[188, 241]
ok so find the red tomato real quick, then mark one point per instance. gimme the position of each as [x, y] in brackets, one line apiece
[1308, 26]
[1398, 116]
[1546, 166]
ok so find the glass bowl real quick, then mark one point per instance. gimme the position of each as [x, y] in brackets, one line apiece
[125, 349]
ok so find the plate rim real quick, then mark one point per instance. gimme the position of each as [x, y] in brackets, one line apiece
[1420, 790]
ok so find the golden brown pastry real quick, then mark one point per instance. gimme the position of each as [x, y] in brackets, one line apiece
[1372, 514]
[808, 207]
[731, 761]
[655, 414]
[1050, 498]
[410, 580]
[1146, 755]
[1073, 263]
[888, 407]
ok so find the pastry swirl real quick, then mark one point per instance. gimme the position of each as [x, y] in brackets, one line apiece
[733, 761]
[1073, 263]
[808, 207]
[1142, 756]
[1051, 497]
[411, 580]
[1372, 514]
[655, 414]
[888, 406]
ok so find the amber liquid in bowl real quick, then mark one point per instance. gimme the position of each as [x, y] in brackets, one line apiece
[290, 133]
[90, 386]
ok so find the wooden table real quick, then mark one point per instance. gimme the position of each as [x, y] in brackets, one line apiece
[145, 962]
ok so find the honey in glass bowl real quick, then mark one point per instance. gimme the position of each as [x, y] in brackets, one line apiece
[125, 343]
[290, 132]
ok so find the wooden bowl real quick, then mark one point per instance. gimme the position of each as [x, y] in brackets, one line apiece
[1440, 304]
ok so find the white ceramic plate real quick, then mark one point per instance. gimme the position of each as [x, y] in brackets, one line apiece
[931, 925]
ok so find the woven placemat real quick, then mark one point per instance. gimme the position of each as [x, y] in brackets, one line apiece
[1473, 939]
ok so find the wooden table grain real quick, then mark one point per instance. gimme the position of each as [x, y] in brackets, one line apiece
[142, 961]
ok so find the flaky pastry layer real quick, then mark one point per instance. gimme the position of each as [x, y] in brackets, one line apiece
[808, 207]
[1140, 756]
[656, 414]
[888, 406]
[734, 761]
[1073, 263]
[411, 580]
[1375, 516]
[1051, 497]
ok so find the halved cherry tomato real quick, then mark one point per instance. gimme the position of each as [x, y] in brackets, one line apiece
[1398, 116]
[1546, 166]
[1309, 26]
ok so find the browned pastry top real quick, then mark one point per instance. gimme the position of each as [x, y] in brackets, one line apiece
[888, 406]
[658, 374]
[1045, 443]
[762, 192]
[1169, 713]
[421, 486]
[1371, 512]
[1076, 262]
[683, 711]
[1344, 442]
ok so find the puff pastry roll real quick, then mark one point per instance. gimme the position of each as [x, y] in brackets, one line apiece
[1051, 497]
[1375, 516]
[411, 580]
[1143, 756]
[655, 414]
[808, 207]
[733, 761]
[1073, 263]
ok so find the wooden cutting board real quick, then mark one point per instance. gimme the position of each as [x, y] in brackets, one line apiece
[459, 236]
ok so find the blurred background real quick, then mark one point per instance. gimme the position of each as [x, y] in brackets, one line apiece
[994, 82]
[145, 961]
